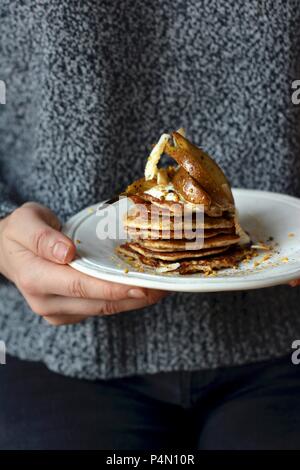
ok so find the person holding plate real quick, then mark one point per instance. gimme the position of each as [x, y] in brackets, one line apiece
[97, 365]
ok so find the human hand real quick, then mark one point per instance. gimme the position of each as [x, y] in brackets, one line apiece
[34, 255]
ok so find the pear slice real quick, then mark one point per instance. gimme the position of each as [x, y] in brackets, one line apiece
[203, 169]
[140, 186]
[189, 189]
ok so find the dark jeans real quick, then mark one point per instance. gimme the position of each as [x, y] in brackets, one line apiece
[246, 407]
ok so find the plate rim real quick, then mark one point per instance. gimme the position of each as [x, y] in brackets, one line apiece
[163, 282]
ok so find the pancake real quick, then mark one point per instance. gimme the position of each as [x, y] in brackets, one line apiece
[175, 255]
[128, 254]
[138, 234]
[154, 259]
[179, 245]
[228, 260]
[176, 207]
[151, 203]
[214, 262]
[172, 209]
[160, 223]
[184, 218]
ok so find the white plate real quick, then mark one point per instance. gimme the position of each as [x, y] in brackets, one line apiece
[263, 215]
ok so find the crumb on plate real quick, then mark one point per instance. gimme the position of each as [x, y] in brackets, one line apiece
[261, 246]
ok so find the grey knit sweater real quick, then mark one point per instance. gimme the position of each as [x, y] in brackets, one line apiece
[90, 85]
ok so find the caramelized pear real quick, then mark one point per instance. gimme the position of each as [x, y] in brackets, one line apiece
[203, 169]
[189, 188]
[140, 186]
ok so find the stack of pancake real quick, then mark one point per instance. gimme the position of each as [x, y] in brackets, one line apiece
[183, 218]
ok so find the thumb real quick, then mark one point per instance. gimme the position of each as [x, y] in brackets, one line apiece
[294, 283]
[37, 228]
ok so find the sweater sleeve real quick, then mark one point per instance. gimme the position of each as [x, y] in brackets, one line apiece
[7, 205]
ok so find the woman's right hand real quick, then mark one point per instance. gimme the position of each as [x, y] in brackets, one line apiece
[34, 255]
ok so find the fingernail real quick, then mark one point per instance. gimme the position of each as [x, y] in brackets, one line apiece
[137, 294]
[60, 251]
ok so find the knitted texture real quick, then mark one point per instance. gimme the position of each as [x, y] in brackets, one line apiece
[90, 86]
